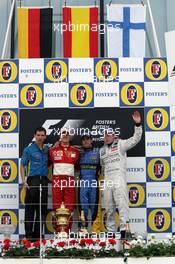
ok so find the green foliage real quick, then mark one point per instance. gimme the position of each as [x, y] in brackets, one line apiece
[151, 250]
[137, 252]
[21, 252]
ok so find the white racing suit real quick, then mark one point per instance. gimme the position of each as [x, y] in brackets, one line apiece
[115, 196]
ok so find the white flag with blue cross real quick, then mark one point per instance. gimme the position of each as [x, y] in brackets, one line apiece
[126, 30]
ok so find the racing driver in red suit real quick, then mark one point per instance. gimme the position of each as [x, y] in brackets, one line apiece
[64, 159]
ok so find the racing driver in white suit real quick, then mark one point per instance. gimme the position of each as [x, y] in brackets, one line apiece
[113, 162]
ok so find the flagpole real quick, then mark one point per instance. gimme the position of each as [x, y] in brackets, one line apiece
[102, 23]
[156, 43]
[12, 55]
[8, 29]
[40, 217]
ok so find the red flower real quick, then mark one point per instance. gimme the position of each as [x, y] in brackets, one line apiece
[73, 242]
[6, 246]
[102, 244]
[26, 243]
[82, 242]
[7, 241]
[36, 244]
[112, 241]
[61, 244]
[44, 241]
[89, 241]
[51, 241]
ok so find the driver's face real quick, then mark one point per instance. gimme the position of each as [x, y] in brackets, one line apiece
[108, 138]
[86, 142]
[65, 137]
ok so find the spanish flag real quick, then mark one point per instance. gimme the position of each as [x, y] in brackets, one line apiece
[34, 32]
[80, 32]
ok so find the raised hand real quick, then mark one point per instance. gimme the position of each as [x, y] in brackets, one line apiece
[136, 117]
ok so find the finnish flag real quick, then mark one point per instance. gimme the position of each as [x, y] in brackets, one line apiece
[126, 30]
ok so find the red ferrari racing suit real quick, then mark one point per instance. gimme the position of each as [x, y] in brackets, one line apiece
[64, 160]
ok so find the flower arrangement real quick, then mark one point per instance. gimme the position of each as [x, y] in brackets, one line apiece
[88, 248]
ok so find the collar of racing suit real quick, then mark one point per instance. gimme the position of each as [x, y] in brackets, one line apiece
[114, 141]
[64, 146]
[87, 149]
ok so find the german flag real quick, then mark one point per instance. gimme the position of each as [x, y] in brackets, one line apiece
[34, 32]
[80, 32]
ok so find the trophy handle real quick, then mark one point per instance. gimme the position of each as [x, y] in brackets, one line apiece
[71, 214]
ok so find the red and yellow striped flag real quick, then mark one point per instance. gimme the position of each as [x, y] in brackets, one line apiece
[34, 32]
[80, 34]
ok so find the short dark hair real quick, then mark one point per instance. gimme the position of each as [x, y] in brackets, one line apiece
[40, 129]
[86, 136]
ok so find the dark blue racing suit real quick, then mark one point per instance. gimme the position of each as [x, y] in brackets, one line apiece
[89, 164]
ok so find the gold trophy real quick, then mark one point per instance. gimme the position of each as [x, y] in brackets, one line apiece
[63, 216]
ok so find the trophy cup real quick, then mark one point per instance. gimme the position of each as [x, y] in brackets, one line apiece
[63, 216]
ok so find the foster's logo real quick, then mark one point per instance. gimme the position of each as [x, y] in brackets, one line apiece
[158, 169]
[8, 120]
[8, 170]
[31, 95]
[81, 95]
[56, 70]
[8, 71]
[156, 70]
[159, 220]
[6, 219]
[131, 94]
[136, 195]
[106, 70]
[157, 119]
